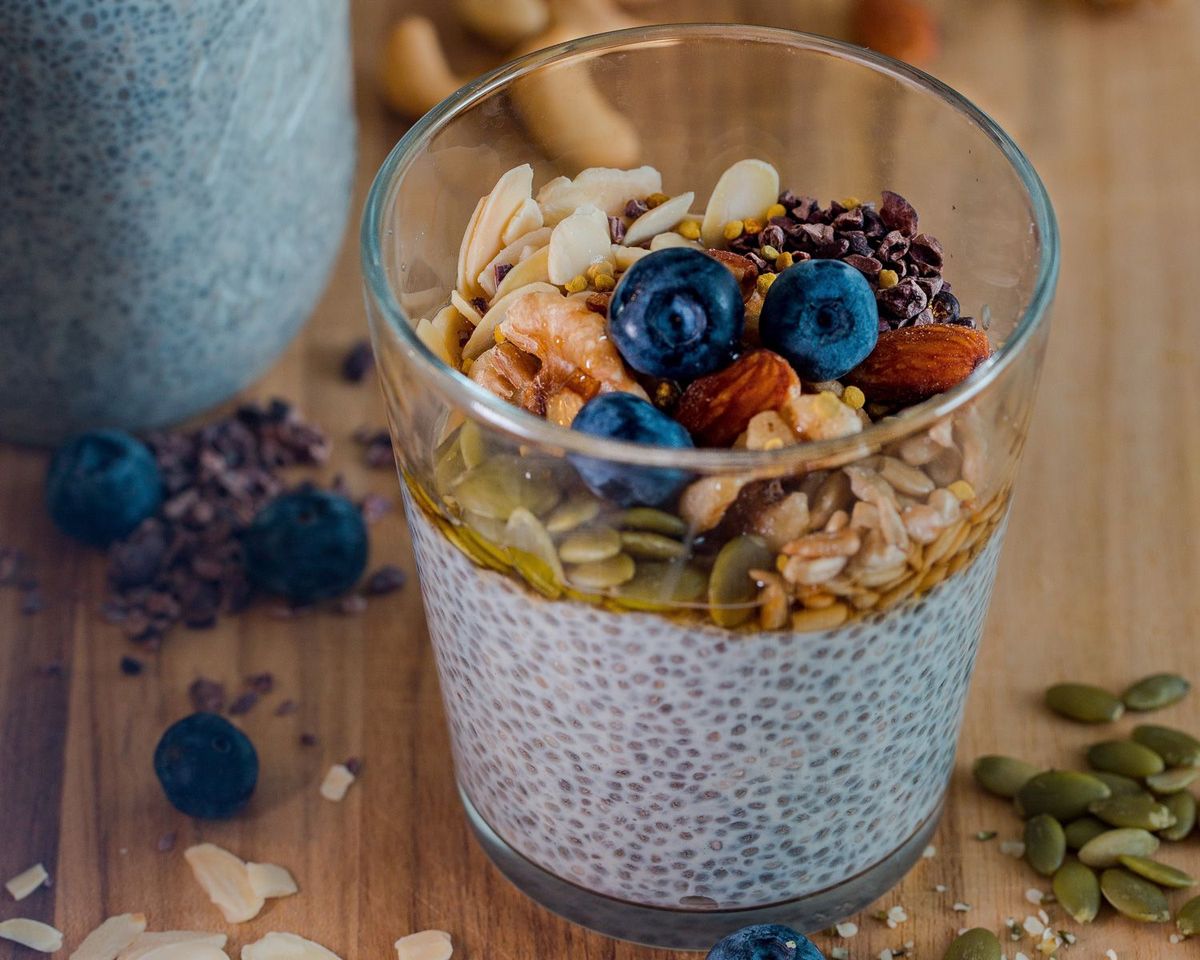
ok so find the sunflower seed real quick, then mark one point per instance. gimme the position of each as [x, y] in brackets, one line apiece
[1183, 807]
[731, 589]
[602, 574]
[1125, 757]
[1103, 851]
[1079, 832]
[976, 944]
[1177, 748]
[1133, 810]
[1136, 898]
[651, 546]
[1003, 776]
[589, 546]
[1045, 844]
[1188, 918]
[1172, 780]
[1084, 703]
[1064, 794]
[1155, 692]
[1161, 873]
[1078, 890]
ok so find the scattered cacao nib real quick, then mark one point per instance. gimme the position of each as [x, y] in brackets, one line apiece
[903, 301]
[31, 601]
[598, 302]
[926, 252]
[616, 229]
[387, 579]
[166, 842]
[308, 739]
[243, 704]
[377, 448]
[261, 683]
[354, 765]
[131, 666]
[898, 214]
[207, 696]
[635, 208]
[772, 236]
[286, 708]
[358, 362]
[480, 304]
[375, 506]
[500, 271]
[867, 266]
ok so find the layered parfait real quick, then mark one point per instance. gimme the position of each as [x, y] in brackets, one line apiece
[688, 688]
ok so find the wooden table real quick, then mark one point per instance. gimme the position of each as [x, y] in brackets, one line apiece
[1099, 578]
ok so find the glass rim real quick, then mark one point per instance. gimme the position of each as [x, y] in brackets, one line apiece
[527, 427]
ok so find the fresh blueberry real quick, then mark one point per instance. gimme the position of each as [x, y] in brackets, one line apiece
[765, 941]
[101, 485]
[306, 546]
[822, 316]
[676, 313]
[207, 766]
[622, 416]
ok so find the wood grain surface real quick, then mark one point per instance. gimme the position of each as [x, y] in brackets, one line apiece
[1100, 579]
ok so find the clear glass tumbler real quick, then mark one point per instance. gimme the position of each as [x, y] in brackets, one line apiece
[645, 744]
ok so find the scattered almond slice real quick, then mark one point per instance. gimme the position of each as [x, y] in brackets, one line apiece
[269, 880]
[24, 883]
[527, 217]
[746, 189]
[337, 781]
[460, 281]
[286, 946]
[533, 269]
[465, 307]
[442, 334]
[159, 944]
[224, 878]
[577, 242]
[110, 938]
[426, 945]
[430, 338]
[658, 219]
[188, 950]
[671, 239]
[32, 934]
[484, 335]
[604, 187]
[483, 240]
[515, 252]
[626, 257]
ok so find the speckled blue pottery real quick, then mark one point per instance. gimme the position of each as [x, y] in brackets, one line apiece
[174, 183]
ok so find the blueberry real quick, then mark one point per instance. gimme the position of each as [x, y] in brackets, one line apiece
[306, 546]
[822, 316]
[676, 313]
[622, 416]
[765, 941]
[207, 766]
[101, 485]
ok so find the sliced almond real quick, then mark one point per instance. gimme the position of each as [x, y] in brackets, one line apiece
[484, 335]
[189, 950]
[534, 269]
[157, 945]
[671, 239]
[442, 334]
[32, 934]
[527, 217]
[577, 242]
[269, 880]
[111, 937]
[426, 945]
[626, 257]
[430, 338]
[746, 189]
[460, 280]
[465, 307]
[515, 251]
[286, 946]
[484, 241]
[658, 219]
[24, 883]
[223, 877]
[604, 187]
[337, 781]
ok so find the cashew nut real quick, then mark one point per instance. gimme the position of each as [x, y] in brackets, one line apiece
[504, 23]
[415, 75]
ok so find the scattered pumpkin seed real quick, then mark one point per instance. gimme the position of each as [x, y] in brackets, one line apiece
[1155, 692]
[1187, 920]
[1045, 844]
[976, 944]
[1172, 780]
[663, 587]
[1139, 811]
[590, 546]
[1084, 703]
[575, 511]
[1077, 889]
[1064, 794]
[525, 532]
[985, 835]
[1125, 757]
[1163, 874]
[1177, 748]
[1119, 785]
[1183, 807]
[1103, 851]
[473, 443]
[731, 590]
[658, 521]
[500, 485]
[651, 546]
[1138, 899]
[1079, 832]
[1003, 776]
[602, 574]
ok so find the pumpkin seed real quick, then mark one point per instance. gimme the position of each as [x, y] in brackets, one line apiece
[448, 467]
[1177, 748]
[1138, 899]
[651, 546]
[537, 573]
[1183, 807]
[473, 546]
[657, 521]
[1064, 794]
[590, 546]
[1119, 785]
[1003, 776]
[485, 527]
[473, 444]
[663, 587]
[1103, 851]
[1045, 844]
[1155, 692]
[1125, 757]
[1079, 832]
[1133, 810]
[1161, 873]
[524, 532]
[976, 944]
[602, 574]
[1188, 918]
[1172, 780]
[1084, 703]
[575, 511]
[500, 485]
[1077, 888]
[731, 590]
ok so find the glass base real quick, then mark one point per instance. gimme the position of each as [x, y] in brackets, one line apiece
[696, 929]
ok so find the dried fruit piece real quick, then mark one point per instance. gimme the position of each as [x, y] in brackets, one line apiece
[338, 780]
[426, 945]
[32, 934]
[915, 363]
[24, 883]
[603, 187]
[577, 242]
[269, 880]
[658, 219]
[484, 335]
[286, 946]
[746, 189]
[704, 502]
[224, 878]
[904, 29]
[110, 938]
[717, 408]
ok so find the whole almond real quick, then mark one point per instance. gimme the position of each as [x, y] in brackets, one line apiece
[914, 363]
[904, 29]
[717, 408]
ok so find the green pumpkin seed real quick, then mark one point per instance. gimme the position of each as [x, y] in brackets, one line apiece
[657, 521]
[731, 590]
[602, 574]
[651, 546]
[1136, 898]
[485, 527]
[1177, 748]
[1183, 807]
[1045, 844]
[1077, 888]
[663, 587]
[524, 532]
[481, 551]
[1125, 757]
[575, 511]
[1188, 918]
[1161, 873]
[1139, 811]
[1155, 692]
[590, 546]
[1064, 794]
[500, 485]
[448, 467]
[1003, 776]
[1084, 703]
[977, 944]
[537, 573]
[1079, 832]
[1119, 785]
[1104, 850]
[473, 444]
[1172, 780]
